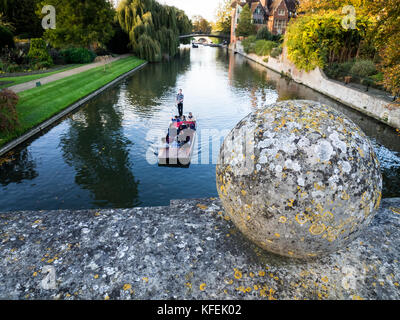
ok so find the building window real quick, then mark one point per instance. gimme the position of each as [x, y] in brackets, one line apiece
[280, 25]
[281, 12]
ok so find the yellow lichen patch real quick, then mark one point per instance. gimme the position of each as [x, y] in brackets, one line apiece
[357, 297]
[290, 203]
[290, 253]
[237, 274]
[145, 279]
[324, 279]
[188, 285]
[261, 273]
[201, 206]
[345, 196]
[317, 229]
[301, 218]
[317, 186]
[35, 274]
[96, 276]
[361, 152]
[282, 219]
[277, 235]
[97, 214]
[243, 192]
[107, 297]
[395, 210]
[202, 287]
[127, 286]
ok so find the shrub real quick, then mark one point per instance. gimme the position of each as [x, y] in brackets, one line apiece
[276, 52]
[57, 57]
[101, 52]
[78, 55]
[8, 111]
[264, 34]
[264, 47]
[6, 38]
[378, 77]
[38, 53]
[363, 68]
[249, 44]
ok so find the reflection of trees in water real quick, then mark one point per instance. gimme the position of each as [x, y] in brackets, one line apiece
[16, 167]
[96, 147]
[391, 182]
[148, 85]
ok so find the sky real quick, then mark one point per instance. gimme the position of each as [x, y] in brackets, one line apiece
[204, 8]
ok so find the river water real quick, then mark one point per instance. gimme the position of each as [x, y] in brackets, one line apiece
[104, 155]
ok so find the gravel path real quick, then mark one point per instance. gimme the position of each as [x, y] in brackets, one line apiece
[61, 75]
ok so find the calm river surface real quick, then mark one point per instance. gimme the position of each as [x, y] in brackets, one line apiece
[103, 155]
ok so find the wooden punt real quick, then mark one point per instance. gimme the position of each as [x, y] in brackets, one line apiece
[177, 156]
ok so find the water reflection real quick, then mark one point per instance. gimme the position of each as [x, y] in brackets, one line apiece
[16, 167]
[96, 147]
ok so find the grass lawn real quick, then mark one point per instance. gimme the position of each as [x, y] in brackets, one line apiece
[23, 79]
[39, 104]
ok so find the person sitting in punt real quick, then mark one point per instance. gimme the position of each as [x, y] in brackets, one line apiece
[191, 121]
[176, 119]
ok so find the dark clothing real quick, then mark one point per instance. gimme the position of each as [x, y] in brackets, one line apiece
[180, 109]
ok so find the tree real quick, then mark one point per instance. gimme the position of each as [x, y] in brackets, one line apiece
[153, 28]
[21, 15]
[224, 19]
[318, 39]
[201, 25]
[385, 35]
[80, 23]
[245, 26]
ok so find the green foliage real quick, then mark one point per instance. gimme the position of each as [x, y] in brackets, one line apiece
[276, 52]
[80, 23]
[363, 68]
[201, 25]
[38, 53]
[153, 28]
[245, 25]
[249, 44]
[224, 19]
[148, 48]
[317, 40]
[78, 55]
[264, 47]
[21, 15]
[6, 38]
[264, 34]
[8, 112]
[119, 42]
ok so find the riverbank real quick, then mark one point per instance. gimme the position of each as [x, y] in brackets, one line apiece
[13, 80]
[189, 250]
[364, 102]
[41, 106]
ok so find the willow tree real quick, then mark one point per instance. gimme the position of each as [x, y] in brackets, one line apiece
[153, 28]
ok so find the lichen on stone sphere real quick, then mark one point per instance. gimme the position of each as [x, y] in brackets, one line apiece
[299, 179]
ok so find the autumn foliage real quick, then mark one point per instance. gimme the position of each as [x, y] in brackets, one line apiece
[384, 33]
[8, 112]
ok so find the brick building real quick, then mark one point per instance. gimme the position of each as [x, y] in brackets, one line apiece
[275, 14]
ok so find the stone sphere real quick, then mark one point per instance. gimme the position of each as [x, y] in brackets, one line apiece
[299, 179]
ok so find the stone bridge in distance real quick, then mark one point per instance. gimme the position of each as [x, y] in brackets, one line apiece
[192, 35]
